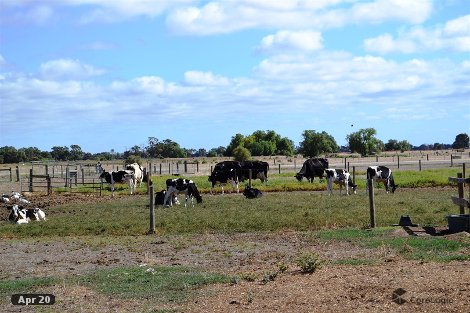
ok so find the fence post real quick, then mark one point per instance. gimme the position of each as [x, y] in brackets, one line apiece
[354, 174]
[279, 168]
[152, 212]
[49, 185]
[17, 173]
[451, 160]
[460, 188]
[249, 177]
[83, 176]
[420, 165]
[31, 180]
[398, 160]
[370, 182]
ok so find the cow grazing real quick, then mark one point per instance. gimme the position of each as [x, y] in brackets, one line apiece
[311, 168]
[138, 172]
[225, 172]
[180, 185]
[381, 174]
[259, 170]
[252, 193]
[340, 177]
[126, 176]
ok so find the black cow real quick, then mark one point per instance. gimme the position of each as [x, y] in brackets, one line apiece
[381, 174]
[259, 169]
[180, 185]
[311, 168]
[126, 176]
[224, 172]
[252, 193]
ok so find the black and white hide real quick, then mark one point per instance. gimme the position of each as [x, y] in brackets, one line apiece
[184, 186]
[381, 174]
[160, 198]
[120, 177]
[138, 172]
[252, 193]
[340, 177]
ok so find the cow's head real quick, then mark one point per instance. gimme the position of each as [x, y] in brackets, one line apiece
[299, 176]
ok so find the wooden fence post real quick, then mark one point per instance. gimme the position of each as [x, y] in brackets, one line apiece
[249, 177]
[460, 189]
[49, 185]
[17, 173]
[279, 168]
[152, 211]
[398, 160]
[370, 182]
[31, 180]
[420, 165]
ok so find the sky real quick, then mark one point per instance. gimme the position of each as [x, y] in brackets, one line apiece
[108, 74]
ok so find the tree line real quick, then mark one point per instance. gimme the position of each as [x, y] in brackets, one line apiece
[260, 143]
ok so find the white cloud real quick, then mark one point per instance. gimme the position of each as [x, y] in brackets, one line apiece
[218, 17]
[67, 69]
[454, 36]
[285, 40]
[199, 78]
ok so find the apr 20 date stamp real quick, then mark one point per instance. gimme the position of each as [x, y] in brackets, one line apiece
[32, 299]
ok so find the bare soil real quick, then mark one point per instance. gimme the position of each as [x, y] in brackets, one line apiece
[335, 287]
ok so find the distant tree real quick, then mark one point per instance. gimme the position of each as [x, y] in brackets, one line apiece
[365, 142]
[315, 144]
[235, 142]
[76, 152]
[60, 153]
[9, 154]
[438, 146]
[131, 159]
[286, 147]
[241, 153]
[393, 145]
[462, 141]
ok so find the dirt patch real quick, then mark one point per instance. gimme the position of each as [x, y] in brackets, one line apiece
[332, 288]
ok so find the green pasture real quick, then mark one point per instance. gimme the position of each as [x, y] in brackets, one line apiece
[274, 211]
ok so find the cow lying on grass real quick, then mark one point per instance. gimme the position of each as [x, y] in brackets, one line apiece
[20, 215]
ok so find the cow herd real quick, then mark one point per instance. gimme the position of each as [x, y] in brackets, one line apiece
[234, 172]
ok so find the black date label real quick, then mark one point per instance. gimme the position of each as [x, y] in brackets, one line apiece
[32, 299]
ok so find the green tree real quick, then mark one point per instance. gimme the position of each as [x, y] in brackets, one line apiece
[365, 142]
[9, 154]
[315, 144]
[286, 147]
[76, 152]
[235, 142]
[241, 153]
[462, 141]
[60, 153]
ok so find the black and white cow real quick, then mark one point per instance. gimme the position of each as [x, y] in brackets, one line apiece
[120, 177]
[36, 214]
[180, 185]
[311, 168]
[381, 174]
[259, 170]
[18, 215]
[138, 172]
[225, 172]
[340, 177]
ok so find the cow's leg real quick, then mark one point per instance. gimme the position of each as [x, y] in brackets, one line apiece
[387, 184]
[112, 190]
[222, 188]
[168, 195]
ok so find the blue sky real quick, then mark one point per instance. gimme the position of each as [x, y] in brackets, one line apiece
[108, 74]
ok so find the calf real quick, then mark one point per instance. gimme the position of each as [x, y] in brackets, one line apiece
[381, 174]
[160, 198]
[180, 185]
[126, 176]
[18, 215]
[36, 213]
[138, 172]
[340, 177]
[252, 193]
